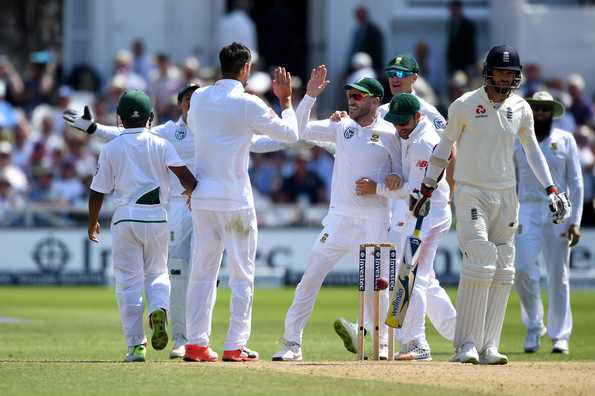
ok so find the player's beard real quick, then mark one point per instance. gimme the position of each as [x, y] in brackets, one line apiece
[363, 110]
[543, 128]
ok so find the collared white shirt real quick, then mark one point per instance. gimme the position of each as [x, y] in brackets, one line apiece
[426, 109]
[132, 165]
[223, 118]
[561, 154]
[372, 151]
[485, 135]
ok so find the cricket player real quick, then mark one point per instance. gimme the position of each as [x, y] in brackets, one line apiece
[136, 167]
[223, 119]
[179, 216]
[366, 146]
[536, 234]
[418, 139]
[484, 123]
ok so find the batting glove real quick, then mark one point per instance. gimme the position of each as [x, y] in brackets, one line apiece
[84, 123]
[559, 205]
[421, 206]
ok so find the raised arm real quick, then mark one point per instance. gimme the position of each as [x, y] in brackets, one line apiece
[86, 123]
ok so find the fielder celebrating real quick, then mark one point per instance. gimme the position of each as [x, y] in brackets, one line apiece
[135, 166]
[536, 234]
[418, 139]
[484, 124]
[223, 118]
[366, 146]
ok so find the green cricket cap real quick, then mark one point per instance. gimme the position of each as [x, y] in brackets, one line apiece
[134, 105]
[401, 108]
[367, 85]
[403, 62]
[185, 90]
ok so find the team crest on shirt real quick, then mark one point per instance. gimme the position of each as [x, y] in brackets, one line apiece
[439, 123]
[324, 238]
[480, 112]
[509, 114]
[554, 146]
[349, 133]
[181, 133]
[375, 138]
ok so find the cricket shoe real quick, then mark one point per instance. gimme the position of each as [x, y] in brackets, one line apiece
[491, 356]
[291, 352]
[415, 351]
[136, 353]
[347, 331]
[533, 340]
[240, 355]
[465, 354]
[199, 353]
[179, 349]
[560, 346]
[158, 323]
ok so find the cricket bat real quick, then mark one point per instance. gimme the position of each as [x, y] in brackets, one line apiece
[401, 296]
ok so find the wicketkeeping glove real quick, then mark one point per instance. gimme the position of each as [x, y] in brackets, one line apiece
[84, 123]
[559, 205]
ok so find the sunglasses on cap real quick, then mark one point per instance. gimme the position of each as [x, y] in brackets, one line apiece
[398, 73]
[358, 96]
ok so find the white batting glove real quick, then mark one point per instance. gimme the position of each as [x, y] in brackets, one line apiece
[84, 123]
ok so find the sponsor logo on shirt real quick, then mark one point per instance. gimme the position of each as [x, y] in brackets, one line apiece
[480, 112]
[554, 146]
[439, 123]
[349, 133]
[422, 164]
[181, 133]
[324, 238]
[509, 114]
[374, 138]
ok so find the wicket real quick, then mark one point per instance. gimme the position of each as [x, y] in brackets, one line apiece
[376, 305]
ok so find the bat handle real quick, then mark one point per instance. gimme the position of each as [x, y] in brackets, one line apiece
[418, 223]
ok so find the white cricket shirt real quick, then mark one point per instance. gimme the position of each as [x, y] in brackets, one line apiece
[561, 154]
[223, 118]
[485, 135]
[132, 165]
[372, 151]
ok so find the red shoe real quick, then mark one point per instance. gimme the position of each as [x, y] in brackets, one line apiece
[240, 355]
[197, 353]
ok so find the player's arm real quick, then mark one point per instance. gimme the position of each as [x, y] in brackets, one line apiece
[86, 123]
[574, 180]
[95, 203]
[559, 203]
[262, 119]
[264, 144]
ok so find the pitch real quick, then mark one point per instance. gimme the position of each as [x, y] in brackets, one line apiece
[58, 341]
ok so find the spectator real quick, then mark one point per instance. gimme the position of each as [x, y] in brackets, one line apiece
[266, 173]
[533, 81]
[12, 80]
[164, 83]
[13, 174]
[460, 53]
[585, 142]
[123, 67]
[322, 164]
[303, 184]
[10, 201]
[581, 107]
[8, 115]
[23, 145]
[237, 26]
[40, 84]
[141, 62]
[69, 188]
[191, 71]
[367, 38]
[43, 191]
[361, 66]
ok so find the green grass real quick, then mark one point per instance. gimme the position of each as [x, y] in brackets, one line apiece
[69, 341]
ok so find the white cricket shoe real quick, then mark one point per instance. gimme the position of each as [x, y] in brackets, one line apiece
[533, 340]
[179, 349]
[347, 331]
[291, 352]
[560, 346]
[414, 350]
[492, 356]
[465, 354]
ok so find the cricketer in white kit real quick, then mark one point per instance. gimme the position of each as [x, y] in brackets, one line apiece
[418, 139]
[536, 234]
[135, 166]
[179, 222]
[366, 146]
[223, 118]
[485, 124]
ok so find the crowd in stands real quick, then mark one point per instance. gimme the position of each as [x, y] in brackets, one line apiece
[45, 164]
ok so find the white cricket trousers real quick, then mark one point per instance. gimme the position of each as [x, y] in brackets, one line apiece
[139, 253]
[178, 263]
[537, 234]
[428, 296]
[341, 235]
[236, 233]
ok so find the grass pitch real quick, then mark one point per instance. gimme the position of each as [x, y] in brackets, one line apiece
[58, 341]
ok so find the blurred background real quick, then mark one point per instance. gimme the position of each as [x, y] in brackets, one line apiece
[58, 54]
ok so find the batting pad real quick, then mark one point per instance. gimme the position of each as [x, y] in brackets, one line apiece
[498, 296]
[472, 295]
[178, 275]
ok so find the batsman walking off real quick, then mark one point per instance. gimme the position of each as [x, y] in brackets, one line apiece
[484, 125]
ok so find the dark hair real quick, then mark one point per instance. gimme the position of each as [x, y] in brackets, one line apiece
[232, 58]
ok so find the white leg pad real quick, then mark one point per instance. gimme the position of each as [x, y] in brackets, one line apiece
[472, 296]
[498, 296]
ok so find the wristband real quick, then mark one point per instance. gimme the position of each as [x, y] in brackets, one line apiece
[551, 189]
